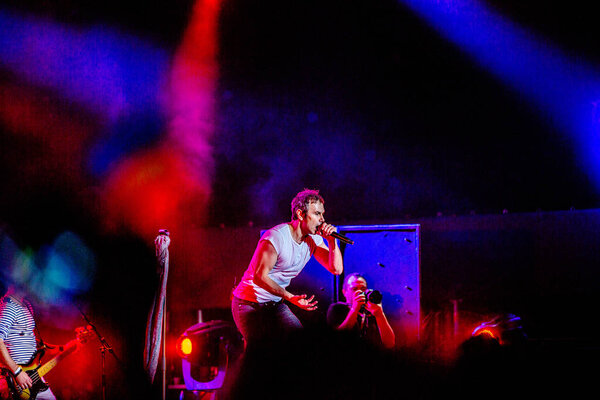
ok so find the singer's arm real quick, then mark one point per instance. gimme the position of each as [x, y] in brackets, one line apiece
[330, 256]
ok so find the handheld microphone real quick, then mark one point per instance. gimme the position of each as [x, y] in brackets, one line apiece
[342, 238]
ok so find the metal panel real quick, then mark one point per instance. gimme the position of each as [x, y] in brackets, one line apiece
[388, 256]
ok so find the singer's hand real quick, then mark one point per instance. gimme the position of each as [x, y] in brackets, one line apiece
[326, 230]
[301, 301]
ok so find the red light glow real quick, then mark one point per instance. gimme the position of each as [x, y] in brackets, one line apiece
[170, 185]
[486, 332]
[150, 191]
[50, 138]
[184, 347]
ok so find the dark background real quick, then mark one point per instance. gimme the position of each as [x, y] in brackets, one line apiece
[366, 102]
[362, 100]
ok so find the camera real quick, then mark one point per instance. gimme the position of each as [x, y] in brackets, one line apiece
[373, 296]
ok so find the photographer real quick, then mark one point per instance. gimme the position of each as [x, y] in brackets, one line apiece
[365, 318]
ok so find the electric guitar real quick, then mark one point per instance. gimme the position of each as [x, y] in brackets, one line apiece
[36, 370]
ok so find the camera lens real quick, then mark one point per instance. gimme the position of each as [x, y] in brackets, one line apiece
[373, 296]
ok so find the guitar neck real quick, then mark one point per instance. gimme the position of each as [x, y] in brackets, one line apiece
[69, 348]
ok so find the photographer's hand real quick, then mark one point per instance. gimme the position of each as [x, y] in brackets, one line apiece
[358, 300]
[388, 338]
[375, 309]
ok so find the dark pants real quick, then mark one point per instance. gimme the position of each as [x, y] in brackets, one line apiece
[260, 322]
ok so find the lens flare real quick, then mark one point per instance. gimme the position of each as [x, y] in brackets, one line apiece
[54, 274]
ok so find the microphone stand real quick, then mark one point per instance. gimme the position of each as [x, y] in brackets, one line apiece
[104, 346]
[164, 350]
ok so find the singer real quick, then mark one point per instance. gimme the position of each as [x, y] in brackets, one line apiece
[260, 301]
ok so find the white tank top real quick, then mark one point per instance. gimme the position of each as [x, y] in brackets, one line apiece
[291, 259]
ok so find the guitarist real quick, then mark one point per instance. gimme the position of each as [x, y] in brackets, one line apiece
[17, 337]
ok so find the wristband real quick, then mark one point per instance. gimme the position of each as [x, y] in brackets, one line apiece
[17, 371]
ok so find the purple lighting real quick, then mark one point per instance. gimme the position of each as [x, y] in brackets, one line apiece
[106, 70]
[561, 89]
[110, 73]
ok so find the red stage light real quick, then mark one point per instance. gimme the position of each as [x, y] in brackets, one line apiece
[206, 349]
[184, 347]
[505, 328]
[486, 332]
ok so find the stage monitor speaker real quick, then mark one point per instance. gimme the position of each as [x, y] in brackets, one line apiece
[389, 258]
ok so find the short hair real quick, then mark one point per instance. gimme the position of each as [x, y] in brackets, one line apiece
[303, 200]
[357, 275]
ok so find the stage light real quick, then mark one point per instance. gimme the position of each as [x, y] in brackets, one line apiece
[206, 349]
[184, 347]
[505, 328]
[485, 332]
